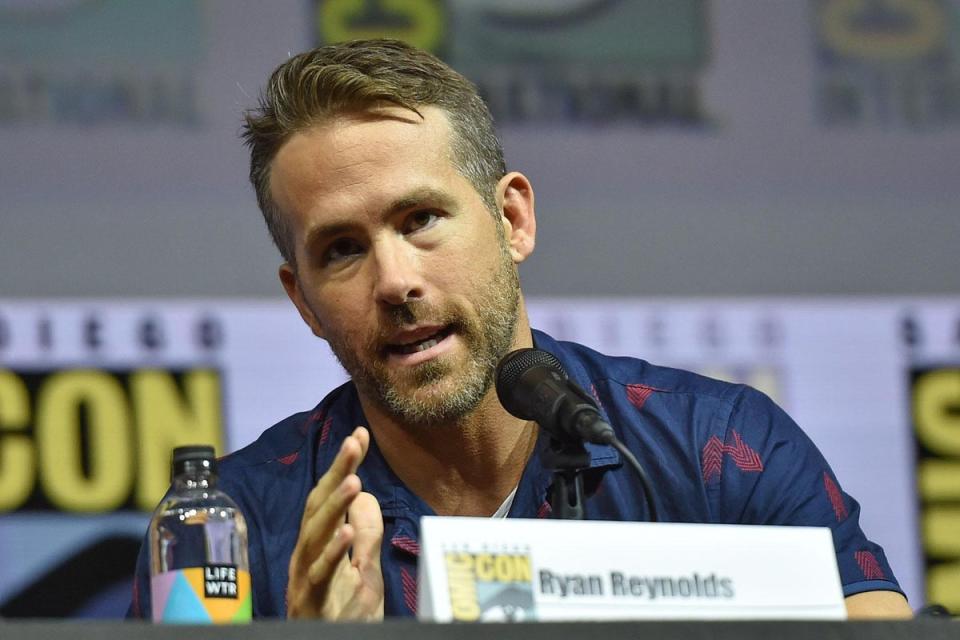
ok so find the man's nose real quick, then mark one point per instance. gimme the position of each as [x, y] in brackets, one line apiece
[398, 272]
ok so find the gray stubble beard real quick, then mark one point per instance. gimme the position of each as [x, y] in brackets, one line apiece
[488, 339]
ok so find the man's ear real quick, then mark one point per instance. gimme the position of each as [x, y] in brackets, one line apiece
[291, 284]
[515, 202]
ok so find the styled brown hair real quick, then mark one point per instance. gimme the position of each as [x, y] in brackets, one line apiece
[354, 76]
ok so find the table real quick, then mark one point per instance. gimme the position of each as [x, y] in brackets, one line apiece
[925, 629]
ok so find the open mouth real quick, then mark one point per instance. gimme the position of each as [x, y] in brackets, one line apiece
[422, 344]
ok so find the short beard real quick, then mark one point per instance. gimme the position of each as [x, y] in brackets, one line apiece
[488, 335]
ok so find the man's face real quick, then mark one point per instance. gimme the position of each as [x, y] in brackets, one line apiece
[400, 266]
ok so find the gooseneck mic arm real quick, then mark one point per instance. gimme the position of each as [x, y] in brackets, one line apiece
[532, 385]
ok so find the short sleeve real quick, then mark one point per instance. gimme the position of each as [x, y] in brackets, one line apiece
[771, 473]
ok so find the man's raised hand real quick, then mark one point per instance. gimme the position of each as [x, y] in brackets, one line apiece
[324, 580]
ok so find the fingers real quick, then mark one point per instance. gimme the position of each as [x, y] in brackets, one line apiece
[363, 437]
[318, 551]
[348, 459]
[323, 568]
[318, 530]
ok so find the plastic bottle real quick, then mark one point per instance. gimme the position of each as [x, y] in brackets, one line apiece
[199, 571]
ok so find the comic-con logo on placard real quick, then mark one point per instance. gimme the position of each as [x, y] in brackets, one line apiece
[886, 63]
[100, 62]
[490, 586]
[591, 61]
[935, 394]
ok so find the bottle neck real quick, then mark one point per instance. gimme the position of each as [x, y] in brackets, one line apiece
[199, 480]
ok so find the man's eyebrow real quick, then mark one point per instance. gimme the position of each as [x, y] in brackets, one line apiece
[318, 233]
[415, 198]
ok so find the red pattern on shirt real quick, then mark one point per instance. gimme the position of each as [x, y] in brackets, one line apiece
[740, 452]
[289, 459]
[637, 394]
[409, 584]
[869, 565]
[406, 543]
[836, 498]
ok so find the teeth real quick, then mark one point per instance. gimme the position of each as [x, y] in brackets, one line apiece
[423, 346]
[419, 346]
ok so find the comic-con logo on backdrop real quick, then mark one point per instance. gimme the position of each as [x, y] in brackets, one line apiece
[591, 61]
[935, 393]
[92, 432]
[100, 62]
[888, 63]
[93, 398]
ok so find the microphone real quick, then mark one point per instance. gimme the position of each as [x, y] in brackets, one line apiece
[532, 385]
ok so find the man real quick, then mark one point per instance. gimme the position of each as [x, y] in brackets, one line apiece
[384, 187]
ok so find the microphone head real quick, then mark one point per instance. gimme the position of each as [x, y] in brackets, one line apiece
[512, 367]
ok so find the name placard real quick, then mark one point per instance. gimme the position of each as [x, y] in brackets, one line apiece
[482, 569]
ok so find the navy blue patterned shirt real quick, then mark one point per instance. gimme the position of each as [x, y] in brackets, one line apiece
[715, 452]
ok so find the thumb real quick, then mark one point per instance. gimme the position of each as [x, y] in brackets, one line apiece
[367, 522]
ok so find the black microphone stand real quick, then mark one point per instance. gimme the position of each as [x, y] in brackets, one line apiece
[567, 459]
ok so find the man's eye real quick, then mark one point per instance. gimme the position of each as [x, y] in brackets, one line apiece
[341, 249]
[419, 220]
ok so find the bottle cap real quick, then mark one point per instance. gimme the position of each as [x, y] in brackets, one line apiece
[192, 459]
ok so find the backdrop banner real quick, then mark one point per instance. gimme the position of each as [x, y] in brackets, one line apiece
[94, 394]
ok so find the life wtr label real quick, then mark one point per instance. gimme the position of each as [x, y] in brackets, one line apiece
[211, 594]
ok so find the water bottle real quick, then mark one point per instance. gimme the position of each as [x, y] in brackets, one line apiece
[199, 571]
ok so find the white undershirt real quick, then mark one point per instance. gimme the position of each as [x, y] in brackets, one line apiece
[505, 507]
